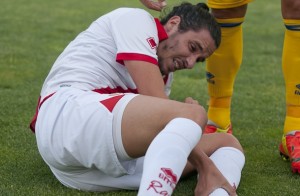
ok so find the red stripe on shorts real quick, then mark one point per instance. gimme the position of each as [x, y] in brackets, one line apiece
[110, 103]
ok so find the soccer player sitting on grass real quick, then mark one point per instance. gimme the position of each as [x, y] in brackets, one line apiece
[104, 120]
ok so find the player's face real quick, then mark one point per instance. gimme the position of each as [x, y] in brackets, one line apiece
[184, 50]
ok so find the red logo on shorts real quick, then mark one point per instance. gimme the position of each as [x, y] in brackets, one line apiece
[151, 42]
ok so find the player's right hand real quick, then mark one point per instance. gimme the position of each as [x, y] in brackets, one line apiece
[157, 5]
[190, 100]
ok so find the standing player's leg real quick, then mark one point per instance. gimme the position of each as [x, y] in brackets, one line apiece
[223, 65]
[290, 146]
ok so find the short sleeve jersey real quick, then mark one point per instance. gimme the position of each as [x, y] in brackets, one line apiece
[94, 60]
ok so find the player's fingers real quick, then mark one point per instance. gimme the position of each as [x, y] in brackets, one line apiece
[163, 3]
[159, 5]
[230, 190]
[191, 101]
[154, 5]
[148, 4]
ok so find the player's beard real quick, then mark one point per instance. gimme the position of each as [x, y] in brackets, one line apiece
[161, 67]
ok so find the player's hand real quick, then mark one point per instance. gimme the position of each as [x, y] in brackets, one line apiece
[157, 5]
[209, 176]
[190, 100]
[210, 179]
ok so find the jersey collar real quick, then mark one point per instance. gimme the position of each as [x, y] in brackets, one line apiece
[162, 34]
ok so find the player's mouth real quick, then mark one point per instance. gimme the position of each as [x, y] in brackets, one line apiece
[177, 65]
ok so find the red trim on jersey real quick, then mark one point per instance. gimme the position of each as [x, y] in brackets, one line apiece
[39, 104]
[121, 57]
[110, 103]
[162, 34]
[109, 90]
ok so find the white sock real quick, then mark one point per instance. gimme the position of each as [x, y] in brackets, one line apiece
[230, 161]
[167, 155]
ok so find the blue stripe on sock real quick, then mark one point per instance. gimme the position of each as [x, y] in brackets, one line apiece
[293, 27]
[227, 25]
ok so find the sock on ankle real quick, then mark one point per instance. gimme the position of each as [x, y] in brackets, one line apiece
[230, 161]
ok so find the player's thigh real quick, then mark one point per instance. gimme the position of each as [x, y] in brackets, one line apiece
[223, 4]
[224, 9]
[290, 9]
[144, 117]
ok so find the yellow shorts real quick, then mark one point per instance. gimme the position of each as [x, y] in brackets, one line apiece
[223, 4]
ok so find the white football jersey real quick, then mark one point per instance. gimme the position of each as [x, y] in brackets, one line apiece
[94, 59]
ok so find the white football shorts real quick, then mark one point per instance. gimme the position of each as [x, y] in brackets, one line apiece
[77, 135]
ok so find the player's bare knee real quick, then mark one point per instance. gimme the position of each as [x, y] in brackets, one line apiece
[231, 141]
[291, 9]
[236, 12]
[198, 114]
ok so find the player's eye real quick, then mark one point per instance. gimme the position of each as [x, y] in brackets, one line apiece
[193, 48]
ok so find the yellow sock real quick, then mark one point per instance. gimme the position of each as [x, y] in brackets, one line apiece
[219, 115]
[222, 68]
[291, 72]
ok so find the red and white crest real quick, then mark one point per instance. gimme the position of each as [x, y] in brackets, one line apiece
[151, 42]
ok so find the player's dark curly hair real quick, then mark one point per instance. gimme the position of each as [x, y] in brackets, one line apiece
[195, 17]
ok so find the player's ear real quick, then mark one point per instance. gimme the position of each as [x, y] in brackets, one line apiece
[172, 25]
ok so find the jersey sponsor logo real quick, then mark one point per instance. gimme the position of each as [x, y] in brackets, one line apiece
[169, 173]
[210, 77]
[65, 85]
[297, 91]
[151, 42]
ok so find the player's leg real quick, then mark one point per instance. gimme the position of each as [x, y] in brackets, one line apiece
[146, 116]
[223, 65]
[166, 131]
[291, 71]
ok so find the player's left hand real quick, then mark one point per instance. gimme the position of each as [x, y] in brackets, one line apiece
[209, 176]
[210, 179]
[157, 5]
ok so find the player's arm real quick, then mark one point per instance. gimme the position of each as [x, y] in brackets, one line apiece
[147, 78]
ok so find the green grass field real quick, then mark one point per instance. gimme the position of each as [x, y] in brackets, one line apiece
[33, 33]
